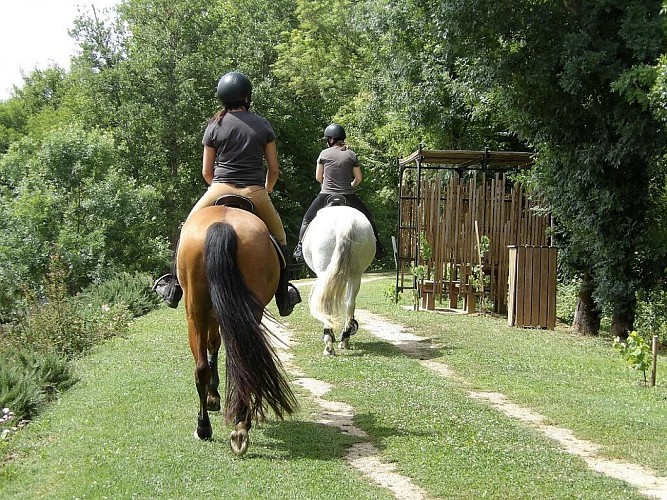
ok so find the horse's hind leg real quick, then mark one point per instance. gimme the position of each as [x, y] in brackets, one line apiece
[350, 329]
[197, 336]
[351, 325]
[239, 439]
[214, 341]
[329, 339]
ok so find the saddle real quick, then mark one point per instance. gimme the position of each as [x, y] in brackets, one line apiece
[336, 200]
[243, 203]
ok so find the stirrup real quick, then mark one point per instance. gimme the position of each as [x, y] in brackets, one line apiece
[169, 289]
[293, 295]
[298, 253]
[287, 302]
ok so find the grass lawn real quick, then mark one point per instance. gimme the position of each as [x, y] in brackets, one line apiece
[125, 430]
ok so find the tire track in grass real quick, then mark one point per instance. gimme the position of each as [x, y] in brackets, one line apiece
[645, 480]
[363, 456]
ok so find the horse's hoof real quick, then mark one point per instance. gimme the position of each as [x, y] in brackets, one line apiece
[204, 434]
[328, 345]
[343, 344]
[238, 439]
[353, 325]
[213, 403]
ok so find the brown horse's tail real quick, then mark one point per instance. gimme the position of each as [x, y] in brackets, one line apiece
[254, 377]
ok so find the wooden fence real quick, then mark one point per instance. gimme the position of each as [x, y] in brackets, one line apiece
[460, 217]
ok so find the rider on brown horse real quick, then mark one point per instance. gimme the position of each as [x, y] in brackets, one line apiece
[236, 144]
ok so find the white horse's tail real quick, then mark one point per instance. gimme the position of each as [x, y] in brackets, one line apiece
[327, 298]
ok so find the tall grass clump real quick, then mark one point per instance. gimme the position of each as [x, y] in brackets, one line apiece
[29, 380]
[55, 322]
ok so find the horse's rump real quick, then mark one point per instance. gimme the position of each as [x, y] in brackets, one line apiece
[229, 269]
[339, 246]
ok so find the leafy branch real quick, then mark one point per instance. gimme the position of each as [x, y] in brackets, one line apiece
[636, 352]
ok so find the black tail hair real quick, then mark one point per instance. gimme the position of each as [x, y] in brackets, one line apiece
[254, 379]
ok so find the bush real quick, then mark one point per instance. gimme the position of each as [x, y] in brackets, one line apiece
[68, 327]
[651, 317]
[28, 380]
[133, 290]
[566, 301]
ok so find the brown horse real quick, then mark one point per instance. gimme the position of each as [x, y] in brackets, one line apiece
[229, 270]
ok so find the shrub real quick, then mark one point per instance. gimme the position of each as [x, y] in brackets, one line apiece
[133, 290]
[651, 317]
[635, 351]
[566, 301]
[28, 380]
[67, 327]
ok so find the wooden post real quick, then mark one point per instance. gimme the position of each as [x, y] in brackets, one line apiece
[654, 367]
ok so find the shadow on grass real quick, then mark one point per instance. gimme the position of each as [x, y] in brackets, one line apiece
[310, 440]
[412, 349]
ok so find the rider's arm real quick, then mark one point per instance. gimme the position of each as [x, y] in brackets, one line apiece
[271, 156]
[208, 164]
[319, 172]
[356, 171]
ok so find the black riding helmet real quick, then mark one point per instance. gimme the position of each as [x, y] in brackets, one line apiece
[234, 88]
[334, 131]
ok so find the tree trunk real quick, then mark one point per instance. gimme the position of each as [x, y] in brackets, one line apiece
[586, 316]
[623, 318]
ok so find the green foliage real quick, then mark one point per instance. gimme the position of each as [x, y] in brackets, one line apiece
[389, 293]
[425, 249]
[29, 380]
[566, 300]
[635, 351]
[652, 314]
[132, 290]
[573, 83]
[67, 191]
[422, 271]
[59, 324]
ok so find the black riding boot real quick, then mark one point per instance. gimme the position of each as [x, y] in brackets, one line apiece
[287, 295]
[169, 289]
[298, 250]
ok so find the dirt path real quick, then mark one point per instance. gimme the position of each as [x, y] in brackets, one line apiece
[645, 480]
[364, 456]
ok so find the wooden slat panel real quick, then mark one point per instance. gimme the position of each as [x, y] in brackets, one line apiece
[536, 281]
[551, 295]
[520, 287]
[511, 313]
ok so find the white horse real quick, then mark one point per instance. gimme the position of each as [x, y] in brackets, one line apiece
[338, 246]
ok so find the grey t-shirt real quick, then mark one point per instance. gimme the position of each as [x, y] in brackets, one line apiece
[239, 144]
[338, 164]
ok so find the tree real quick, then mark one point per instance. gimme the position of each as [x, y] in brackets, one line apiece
[63, 195]
[572, 80]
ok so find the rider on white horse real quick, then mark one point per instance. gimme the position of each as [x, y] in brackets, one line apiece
[338, 171]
